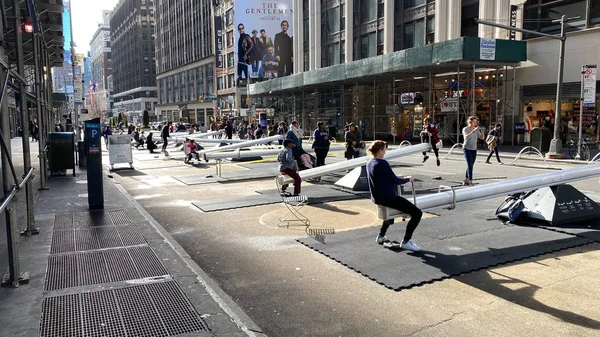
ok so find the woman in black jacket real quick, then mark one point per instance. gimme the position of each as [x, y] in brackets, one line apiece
[150, 145]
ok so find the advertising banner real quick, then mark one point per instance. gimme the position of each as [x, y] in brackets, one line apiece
[219, 42]
[263, 38]
[487, 49]
[589, 85]
[513, 21]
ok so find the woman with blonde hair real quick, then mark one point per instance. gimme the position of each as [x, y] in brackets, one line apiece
[471, 133]
[383, 185]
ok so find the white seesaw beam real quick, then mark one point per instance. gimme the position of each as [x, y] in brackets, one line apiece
[237, 154]
[353, 163]
[450, 198]
[242, 144]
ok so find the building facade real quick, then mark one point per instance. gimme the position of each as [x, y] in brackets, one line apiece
[537, 77]
[185, 60]
[87, 76]
[133, 54]
[386, 65]
[101, 62]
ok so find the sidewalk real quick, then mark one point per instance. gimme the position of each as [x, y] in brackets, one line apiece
[115, 272]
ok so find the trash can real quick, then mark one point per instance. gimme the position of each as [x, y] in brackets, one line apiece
[61, 151]
[541, 138]
[82, 154]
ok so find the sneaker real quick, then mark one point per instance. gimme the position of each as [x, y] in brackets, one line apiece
[381, 239]
[425, 158]
[438, 162]
[410, 245]
[487, 162]
[500, 163]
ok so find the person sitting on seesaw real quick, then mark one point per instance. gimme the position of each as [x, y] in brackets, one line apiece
[289, 166]
[383, 185]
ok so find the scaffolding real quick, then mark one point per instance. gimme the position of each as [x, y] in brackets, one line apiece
[26, 60]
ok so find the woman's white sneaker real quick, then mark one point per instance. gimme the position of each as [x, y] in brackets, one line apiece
[410, 245]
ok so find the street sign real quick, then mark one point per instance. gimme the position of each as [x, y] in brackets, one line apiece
[210, 98]
[589, 85]
[84, 111]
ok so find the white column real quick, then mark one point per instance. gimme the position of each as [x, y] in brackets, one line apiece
[298, 37]
[501, 15]
[311, 33]
[315, 29]
[486, 12]
[349, 33]
[388, 27]
[454, 17]
[441, 20]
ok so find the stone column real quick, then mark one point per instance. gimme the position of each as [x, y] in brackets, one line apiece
[388, 27]
[298, 35]
[486, 12]
[501, 15]
[314, 9]
[454, 18]
[441, 20]
[349, 33]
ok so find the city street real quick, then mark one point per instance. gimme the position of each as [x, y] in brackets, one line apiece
[288, 289]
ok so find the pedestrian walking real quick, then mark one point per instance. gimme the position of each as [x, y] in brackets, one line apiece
[431, 132]
[471, 133]
[321, 143]
[493, 141]
[281, 130]
[164, 134]
[150, 145]
[383, 185]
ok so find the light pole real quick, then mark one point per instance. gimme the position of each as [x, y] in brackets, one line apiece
[556, 144]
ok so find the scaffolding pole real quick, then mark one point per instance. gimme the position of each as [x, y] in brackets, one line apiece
[38, 95]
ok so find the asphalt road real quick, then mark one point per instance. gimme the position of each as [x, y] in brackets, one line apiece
[290, 290]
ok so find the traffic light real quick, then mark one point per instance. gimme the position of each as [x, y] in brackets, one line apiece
[28, 26]
[201, 99]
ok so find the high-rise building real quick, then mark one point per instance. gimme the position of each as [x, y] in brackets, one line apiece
[185, 60]
[100, 52]
[87, 76]
[133, 55]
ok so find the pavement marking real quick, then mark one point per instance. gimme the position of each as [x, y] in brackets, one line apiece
[424, 170]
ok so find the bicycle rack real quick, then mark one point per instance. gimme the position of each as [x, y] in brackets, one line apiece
[530, 150]
[405, 143]
[596, 157]
[452, 149]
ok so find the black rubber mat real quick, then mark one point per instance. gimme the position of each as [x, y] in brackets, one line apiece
[450, 248]
[316, 195]
[589, 229]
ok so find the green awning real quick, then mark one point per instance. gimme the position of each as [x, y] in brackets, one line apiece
[437, 58]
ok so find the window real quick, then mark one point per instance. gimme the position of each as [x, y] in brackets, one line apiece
[210, 82]
[397, 38]
[414, 34]
[200, 82]
[333, 20]
[191, 89]
[229, 17]
[230, 81]
[333, 54]
[343, 52]
[367, 9]
[413, 3]
[230, 60]
[368, 45]
[176, 88]
[342, 17]
[220, 83]
[538, 15]
[230, 38]
[429, 39]
[183, 87]
[595, 13]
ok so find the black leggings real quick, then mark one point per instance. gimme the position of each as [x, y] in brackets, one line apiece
[435, 149]
[403, 206]
[321, 154]
[165, 143]
[495, 150]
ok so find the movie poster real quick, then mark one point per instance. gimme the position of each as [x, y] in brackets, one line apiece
[263, 39]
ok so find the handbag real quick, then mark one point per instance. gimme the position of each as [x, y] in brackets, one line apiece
[490, 139]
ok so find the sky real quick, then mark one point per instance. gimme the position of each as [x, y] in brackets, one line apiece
[85, 16]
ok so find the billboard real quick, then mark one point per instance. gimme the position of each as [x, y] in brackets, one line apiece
[263, 39]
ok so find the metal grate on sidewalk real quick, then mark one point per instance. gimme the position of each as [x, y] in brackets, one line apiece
[73, 240]
[152, 310]
[97, 267]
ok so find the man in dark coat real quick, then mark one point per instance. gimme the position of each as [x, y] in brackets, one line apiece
[284, 50]
[245, 46]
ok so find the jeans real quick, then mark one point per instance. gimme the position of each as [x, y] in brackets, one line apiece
[403, 206]
[242, 68]
[470, 156]
[297, 180]
[321, 154]
[491, 153]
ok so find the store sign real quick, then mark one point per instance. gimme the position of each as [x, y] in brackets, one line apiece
[487, 49]
[219, 42]
[513, 22]
[449, 104]
[589, 85]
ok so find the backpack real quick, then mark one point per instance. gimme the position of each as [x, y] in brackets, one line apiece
[512, 207]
